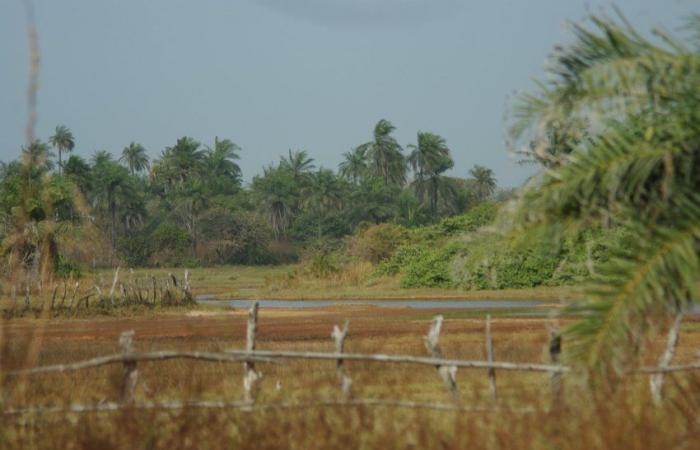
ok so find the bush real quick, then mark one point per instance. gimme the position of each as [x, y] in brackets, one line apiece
[323, 265]
[171, 246]
[136, 250]
[66, 268]
[377, 242]
[430, 268]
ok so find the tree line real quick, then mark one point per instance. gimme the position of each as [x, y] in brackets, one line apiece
[190, 205]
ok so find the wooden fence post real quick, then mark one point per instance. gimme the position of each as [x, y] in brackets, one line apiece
[155, 291]
[250, 376]
[53, 297]
[656, 382]
[554, 356]
[131, 373]
[26, 297]
[489, 357]
[345, 381]
[114, 285]
[65, 291]
[186, 288]
[447, 373]
[75, 292]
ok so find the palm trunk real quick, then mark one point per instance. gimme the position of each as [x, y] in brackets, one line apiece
[113, 232]
[434, 198]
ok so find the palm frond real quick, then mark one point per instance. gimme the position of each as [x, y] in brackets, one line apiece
[658, 275]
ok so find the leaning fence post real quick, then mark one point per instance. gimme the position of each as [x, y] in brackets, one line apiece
[447, 373]
[489, 357]
[656, 383]
[250, 376]
[554, 355]
[131, 373]
[345, 381]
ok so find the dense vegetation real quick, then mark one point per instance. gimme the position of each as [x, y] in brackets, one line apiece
[190, 207]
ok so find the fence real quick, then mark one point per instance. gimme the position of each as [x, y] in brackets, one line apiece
[446, 369]
[67, 298]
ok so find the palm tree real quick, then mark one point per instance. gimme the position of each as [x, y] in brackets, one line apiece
[354, 166]
[100, 157]
[181, 162]
[276, 193]
[112, 188]
[62, 139]
[323, 193]
[484, 183]
[429, 159]
[135, 157]
[220, 160]
[384, 152]
[78, 170]
[639, 169]
[37, 155]
[299, 163]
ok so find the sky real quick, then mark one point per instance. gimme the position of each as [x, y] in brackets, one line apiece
[274, 75]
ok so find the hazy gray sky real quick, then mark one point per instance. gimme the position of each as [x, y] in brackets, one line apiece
[279, 74]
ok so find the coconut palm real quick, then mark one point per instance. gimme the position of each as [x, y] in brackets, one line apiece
[62, 140]
[429, 160]
[483, 182]
[354, 166]
[385, 154]
[135, 157]
[639, 169]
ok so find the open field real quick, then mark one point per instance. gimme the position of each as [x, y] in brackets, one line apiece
[28, 343]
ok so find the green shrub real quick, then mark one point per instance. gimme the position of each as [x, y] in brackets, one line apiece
[66, 268]
[430, 267]
[403, 256]
[135, 249]
[172, 246]
[323, 265]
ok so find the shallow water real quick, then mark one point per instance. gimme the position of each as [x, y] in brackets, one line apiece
[416, 304]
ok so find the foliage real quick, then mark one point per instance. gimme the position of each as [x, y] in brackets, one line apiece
[378, 242]
[430, 267]
[139, 209]
[637, 169]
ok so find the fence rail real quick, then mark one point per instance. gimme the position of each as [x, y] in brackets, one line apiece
[447, 370]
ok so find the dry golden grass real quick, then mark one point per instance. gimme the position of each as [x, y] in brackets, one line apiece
[590, 419]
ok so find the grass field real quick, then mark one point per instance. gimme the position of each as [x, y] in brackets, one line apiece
[616, 416]
[398, 331]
